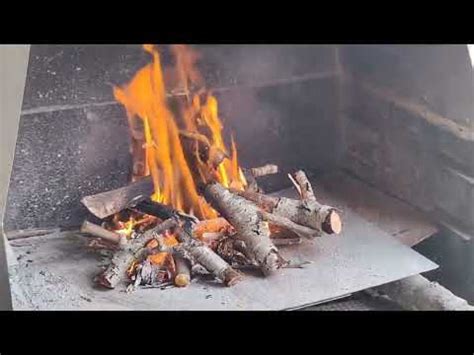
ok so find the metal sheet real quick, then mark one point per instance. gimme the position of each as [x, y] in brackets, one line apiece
[59, 275]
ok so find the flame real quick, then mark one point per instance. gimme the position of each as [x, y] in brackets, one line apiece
[175, 176]
[127, 227]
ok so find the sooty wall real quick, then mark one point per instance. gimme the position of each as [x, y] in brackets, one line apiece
[73, 141]
[409, 130]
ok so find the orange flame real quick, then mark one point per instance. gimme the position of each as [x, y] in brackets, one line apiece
[147, 106]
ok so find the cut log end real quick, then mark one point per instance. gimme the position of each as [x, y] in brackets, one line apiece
[182, 280]
[231, 277]
[333, 223]
[183, 271]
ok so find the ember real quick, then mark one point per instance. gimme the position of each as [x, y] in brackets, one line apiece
[190, 203]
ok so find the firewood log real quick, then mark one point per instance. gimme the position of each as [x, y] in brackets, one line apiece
[205, 256]
[306, 212]
[250, 227]
[97, 231]
[116, 271]
[182, 276]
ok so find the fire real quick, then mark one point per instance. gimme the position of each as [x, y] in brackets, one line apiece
[159, 126]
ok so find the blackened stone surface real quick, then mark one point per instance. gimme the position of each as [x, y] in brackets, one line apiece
[71, 74]
[61, 75]
[455, 258]
[61, 157]
[291, 125]
[228, 65]
[438, 76]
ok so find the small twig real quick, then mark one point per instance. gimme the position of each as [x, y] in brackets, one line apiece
[279, 242]
[97, 231]
[295, 184]
[296, 265]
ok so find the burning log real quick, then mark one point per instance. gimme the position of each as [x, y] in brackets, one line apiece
[203, 255]
[307, 212]
[97, 231]
[215, 225]
[247, 220]
[209, 153]
[108, 203]
[116, 271]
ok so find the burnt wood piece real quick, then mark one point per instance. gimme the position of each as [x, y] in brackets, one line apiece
[110, 202]
[208, 153]
[250, 227]
[234, 252]
[161, 211]
[97, 231]
[205, 256]
[286, 241]
[116, 271]
[307, 212]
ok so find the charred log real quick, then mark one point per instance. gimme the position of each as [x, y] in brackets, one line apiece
[161, 211]
[198, 143]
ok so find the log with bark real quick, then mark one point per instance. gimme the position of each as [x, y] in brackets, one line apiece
[107, 203]
[420, 294]
[116, 271]
[264, 170]
[307, 211]
[182, 276]
[249, 224]
[205, 256]
[100, 232]
[252, 174]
